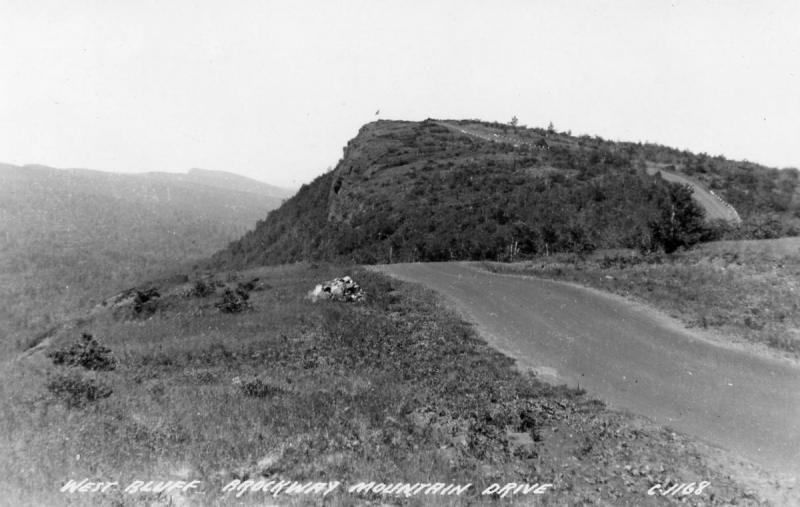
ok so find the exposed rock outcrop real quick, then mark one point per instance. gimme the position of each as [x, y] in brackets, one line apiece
[338, 289]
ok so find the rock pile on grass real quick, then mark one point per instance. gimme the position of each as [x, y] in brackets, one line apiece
[338, 289]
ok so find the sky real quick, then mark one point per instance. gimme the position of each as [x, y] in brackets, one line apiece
[274, 90]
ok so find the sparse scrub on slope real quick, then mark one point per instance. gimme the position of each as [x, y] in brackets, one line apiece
[76, 390]
[203, 288]
[87, 352]
[394, 389]
[234, 301]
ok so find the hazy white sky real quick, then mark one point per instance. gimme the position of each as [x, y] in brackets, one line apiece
[274, 90]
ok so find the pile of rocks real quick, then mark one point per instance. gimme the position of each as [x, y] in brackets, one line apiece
[338, 289]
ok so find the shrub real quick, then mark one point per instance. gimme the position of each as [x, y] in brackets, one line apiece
[259, 389]
[88, 353]
[253, 285]
[234, 302]
[75, 391]
[146, 302]
[529, 424]
[202, 289]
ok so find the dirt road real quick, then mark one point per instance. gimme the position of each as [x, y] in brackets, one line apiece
[631, 357]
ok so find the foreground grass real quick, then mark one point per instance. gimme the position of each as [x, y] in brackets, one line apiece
[397, 389]
[744, 289]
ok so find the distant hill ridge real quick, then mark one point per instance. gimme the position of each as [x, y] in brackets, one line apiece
[222, 179]
[466, 189]
[210, 178]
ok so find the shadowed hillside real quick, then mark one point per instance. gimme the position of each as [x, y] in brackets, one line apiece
[71, 236]
[433, 190]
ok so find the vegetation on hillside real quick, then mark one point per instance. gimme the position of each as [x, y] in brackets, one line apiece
[408, 191]
[71, 237]
[237, 376]
[747, 290]
[391, 389]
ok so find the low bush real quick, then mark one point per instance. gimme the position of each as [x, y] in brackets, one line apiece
[234, 301]
[257, 388]
[202, 289]
[146, 302]
[253, 285]
[76, 391]
[88, 353]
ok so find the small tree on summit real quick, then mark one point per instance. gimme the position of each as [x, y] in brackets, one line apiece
[514, 121]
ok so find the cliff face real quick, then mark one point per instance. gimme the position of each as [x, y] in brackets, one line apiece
[362, 166]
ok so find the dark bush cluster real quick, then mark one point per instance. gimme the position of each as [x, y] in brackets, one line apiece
[88, 353]
[257, 388]
[145, 302]
[252, 285]
[529, 423]
[234, 301]
[76, 391]
[202, 289]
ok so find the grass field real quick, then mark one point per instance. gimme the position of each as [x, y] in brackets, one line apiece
[395, 389]
[746, 290]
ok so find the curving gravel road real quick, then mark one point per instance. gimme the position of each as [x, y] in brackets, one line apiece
[715, 207]
[630, 356]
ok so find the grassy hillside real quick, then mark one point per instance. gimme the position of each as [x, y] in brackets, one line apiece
[436, 190]
[747, 290]
[68, 237]
[393, 389]
[236, 375]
